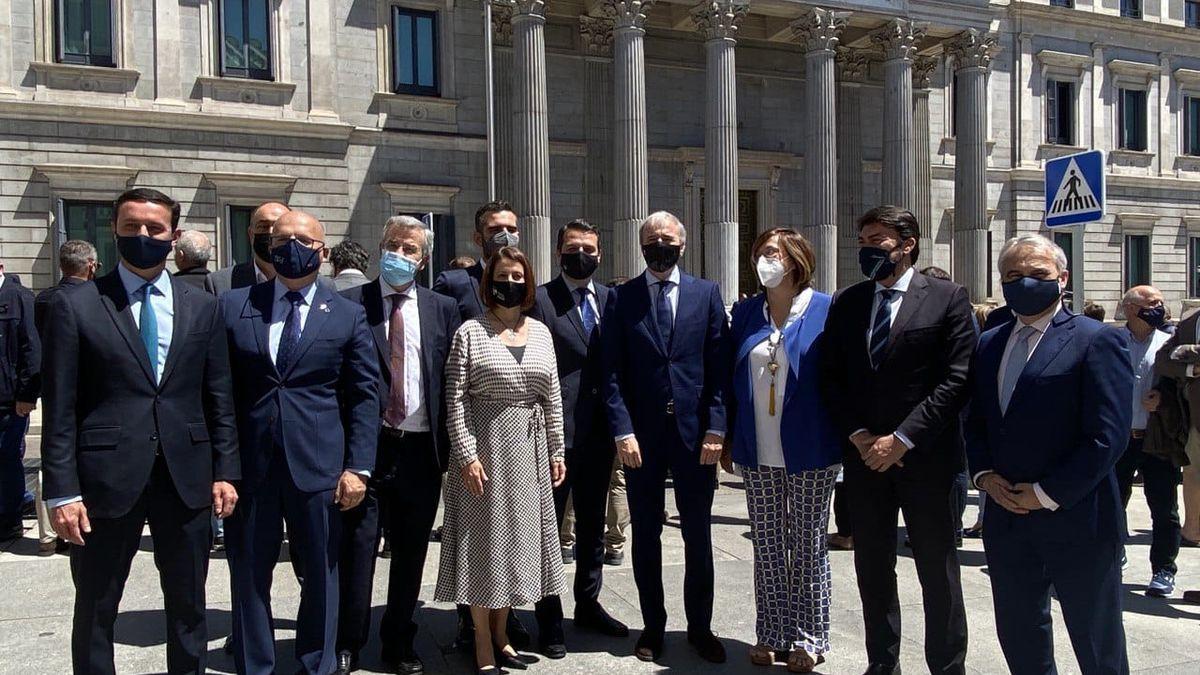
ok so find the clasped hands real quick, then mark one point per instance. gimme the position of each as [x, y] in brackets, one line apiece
[1019, 499]
[879, 453]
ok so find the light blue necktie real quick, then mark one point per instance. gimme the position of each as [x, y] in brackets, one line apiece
[148, 326]
[1017, 359]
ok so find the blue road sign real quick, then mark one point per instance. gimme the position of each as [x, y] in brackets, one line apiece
[1075, 189]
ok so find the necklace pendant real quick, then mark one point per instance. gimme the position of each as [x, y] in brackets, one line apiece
[771, 403]
[773, 367]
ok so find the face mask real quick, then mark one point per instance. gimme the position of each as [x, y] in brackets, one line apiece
[661, 257]
[261, 243]
[508, 293]
[396, 269]
[770, 272]
[500, 240]
[143, 252]
[578, 265]
[293, 260]
[1155, 316]
[1030, 296]
[876, 263]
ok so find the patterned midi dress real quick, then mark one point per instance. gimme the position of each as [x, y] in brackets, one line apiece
[501, 549]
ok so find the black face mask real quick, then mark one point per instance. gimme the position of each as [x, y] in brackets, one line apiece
[1155, 316]
[143, 252]
[578, 265]
[661, 257]
[508, 293]
[261, 243]
[876, 263]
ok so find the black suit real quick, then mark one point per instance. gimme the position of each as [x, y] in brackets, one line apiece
[589, 442]
[41, 305]
[463, 286]
[196, 276]
[229, 278]
[917, 391]
[136, 449]
[405, 486]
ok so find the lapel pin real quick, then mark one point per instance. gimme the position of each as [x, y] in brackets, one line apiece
[323, 307]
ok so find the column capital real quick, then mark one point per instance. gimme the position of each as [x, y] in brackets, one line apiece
[502, 23]
[628, 13]
[818, 29]
[899, 38]
[923, 67]
[526, 8]
[596, 35]
[853, 64]
[972, 48]
[719, 19]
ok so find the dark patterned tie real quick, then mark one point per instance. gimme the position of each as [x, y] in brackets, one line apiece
[662, 312]
[881, 328]
[291, 331]
[396, 411]
[586, 311]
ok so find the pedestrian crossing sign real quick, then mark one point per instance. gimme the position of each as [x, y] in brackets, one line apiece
[1075, 189]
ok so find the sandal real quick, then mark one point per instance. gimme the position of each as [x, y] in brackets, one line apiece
[802, 662]
[761, 655]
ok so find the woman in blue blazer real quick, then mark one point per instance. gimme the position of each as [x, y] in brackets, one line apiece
[781, 438]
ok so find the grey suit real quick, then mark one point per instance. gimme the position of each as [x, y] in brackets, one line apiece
[228, 278]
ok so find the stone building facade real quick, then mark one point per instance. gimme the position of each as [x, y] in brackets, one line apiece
[738, 116]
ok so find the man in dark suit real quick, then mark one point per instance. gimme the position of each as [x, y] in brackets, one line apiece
[258, 269]
[138, 426]
[1051, 409]
[78, 265]
[192, 252]
[495, 228]
[20, 386]
[665, 358]
[572, 307]
[897, 348]
[412, 329]
[306, 393]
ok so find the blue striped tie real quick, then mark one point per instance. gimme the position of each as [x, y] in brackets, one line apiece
[881, 328]
[586, 312]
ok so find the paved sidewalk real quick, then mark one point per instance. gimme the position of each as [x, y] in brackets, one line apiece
[35, 612]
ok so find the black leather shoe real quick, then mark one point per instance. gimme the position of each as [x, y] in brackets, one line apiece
[708, 647]
[882, 669]
[649, 646]
[517, 661]
[517, 635]
[553, 650]
[594, 618]
[614, 557]
[347, 662]
[403, 661]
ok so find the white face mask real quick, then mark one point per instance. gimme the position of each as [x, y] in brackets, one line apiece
[771, 272]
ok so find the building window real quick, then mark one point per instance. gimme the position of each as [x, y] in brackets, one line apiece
[91, 222]
[1131, 8]
[246, 39]
[85, 32]
[1066, 241]
[1131, 119]
[1060, 112]
[1137, 260]
[414, 52]
[1191, 126]
[1194, 267]
[1191, 10]
[1062, 3]
[237, 223]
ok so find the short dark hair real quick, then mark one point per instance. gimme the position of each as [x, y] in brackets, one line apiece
[1093, 311]
[348, 255]
[462, 262]
[147, 195]
[488, 209]
[514, 254]
[936, 273]
[579, 225]
[900, 220]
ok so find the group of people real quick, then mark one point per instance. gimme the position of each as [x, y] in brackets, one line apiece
[263, 396]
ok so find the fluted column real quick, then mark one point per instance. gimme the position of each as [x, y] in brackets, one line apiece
[898, 38]
[818, 31]
[972, 51]
[923, 186]
[596, 34]
[502, 74]
[718, 21]
[853, 68]
[630, 151]
[531, 133]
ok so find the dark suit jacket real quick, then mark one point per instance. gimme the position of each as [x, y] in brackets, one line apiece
[919, 388]
[463, 286]
[324, 409]
[226, 279]
[580, 371]
[20, 346]
[105, 418]
[439, 322]
[642, 374]
[1165, 366]
[1066, 425]
[41, 304]
[195, 276]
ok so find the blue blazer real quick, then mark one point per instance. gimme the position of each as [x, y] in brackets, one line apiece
[324, 409]
[463, 286]
[643, 372]
[809, 441]
[1067, 424]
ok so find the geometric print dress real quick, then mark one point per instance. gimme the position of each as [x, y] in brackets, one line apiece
[501, 549]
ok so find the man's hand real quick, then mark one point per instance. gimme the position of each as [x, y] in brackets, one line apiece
[727, 456]
[558, 471]
[351, 489]
[1151, 401]
[1026, 497]
[224, 497]
[863, 440]
[710, 450]
[71, 522]
[473, 477]
[1001, 492]
[23, 408]
[630, 453]
[1186, 353]
[885, 453]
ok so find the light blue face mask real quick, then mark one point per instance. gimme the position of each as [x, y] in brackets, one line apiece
[396, 269]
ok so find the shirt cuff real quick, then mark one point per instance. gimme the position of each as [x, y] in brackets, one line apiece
[1044, 498]
[904, 439]
[714, 432]
[622, 437]
[62, 501]
[977, 476]
[362, 472]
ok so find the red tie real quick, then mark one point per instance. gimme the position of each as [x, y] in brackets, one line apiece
[395, 413]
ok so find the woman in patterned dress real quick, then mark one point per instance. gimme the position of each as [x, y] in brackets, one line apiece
[781, 437]
[504, 412]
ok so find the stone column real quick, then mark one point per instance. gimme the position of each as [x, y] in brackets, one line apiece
[322, 61]
[6, 49]
[972, 51]
[853, 66]
[168, 85]
[531, 134]
[818, 31]
[597, 38]
[502, 76]
[923, 69]
[898, 38]
[631, 192]
[718, 22]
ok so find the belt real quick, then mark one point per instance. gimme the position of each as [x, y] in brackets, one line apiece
[401, 433]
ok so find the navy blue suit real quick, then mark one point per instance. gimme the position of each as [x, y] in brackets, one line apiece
[463, 286]
[299, 430]
[1066, 425]
[668, 394]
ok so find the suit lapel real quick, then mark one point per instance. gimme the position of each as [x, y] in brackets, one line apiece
[430, 335]
[1057, 336]
[564, 301]
[259, 309]
[180, 326]
[318, 314]
[640, 292]
[683, 303]
[918, 288]
[988, 367]
[377, 318]
[116, 303]
[474, 277]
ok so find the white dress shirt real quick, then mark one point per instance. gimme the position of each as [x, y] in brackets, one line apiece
[417, 418]
[1, 279]
[280, 309]
[259, 277]
[1141, 354]
[900, 288]
[574, 286]
[766, 425]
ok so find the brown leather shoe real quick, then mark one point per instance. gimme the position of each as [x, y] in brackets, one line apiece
[840, 542]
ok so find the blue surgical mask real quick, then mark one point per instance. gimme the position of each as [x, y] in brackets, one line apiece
[294, 260]
[396, 269]
[1030, 296]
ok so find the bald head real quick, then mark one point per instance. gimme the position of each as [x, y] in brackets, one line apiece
[297, 224]
[192, 249]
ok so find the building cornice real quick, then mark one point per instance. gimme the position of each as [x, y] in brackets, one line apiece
[1106, 23]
